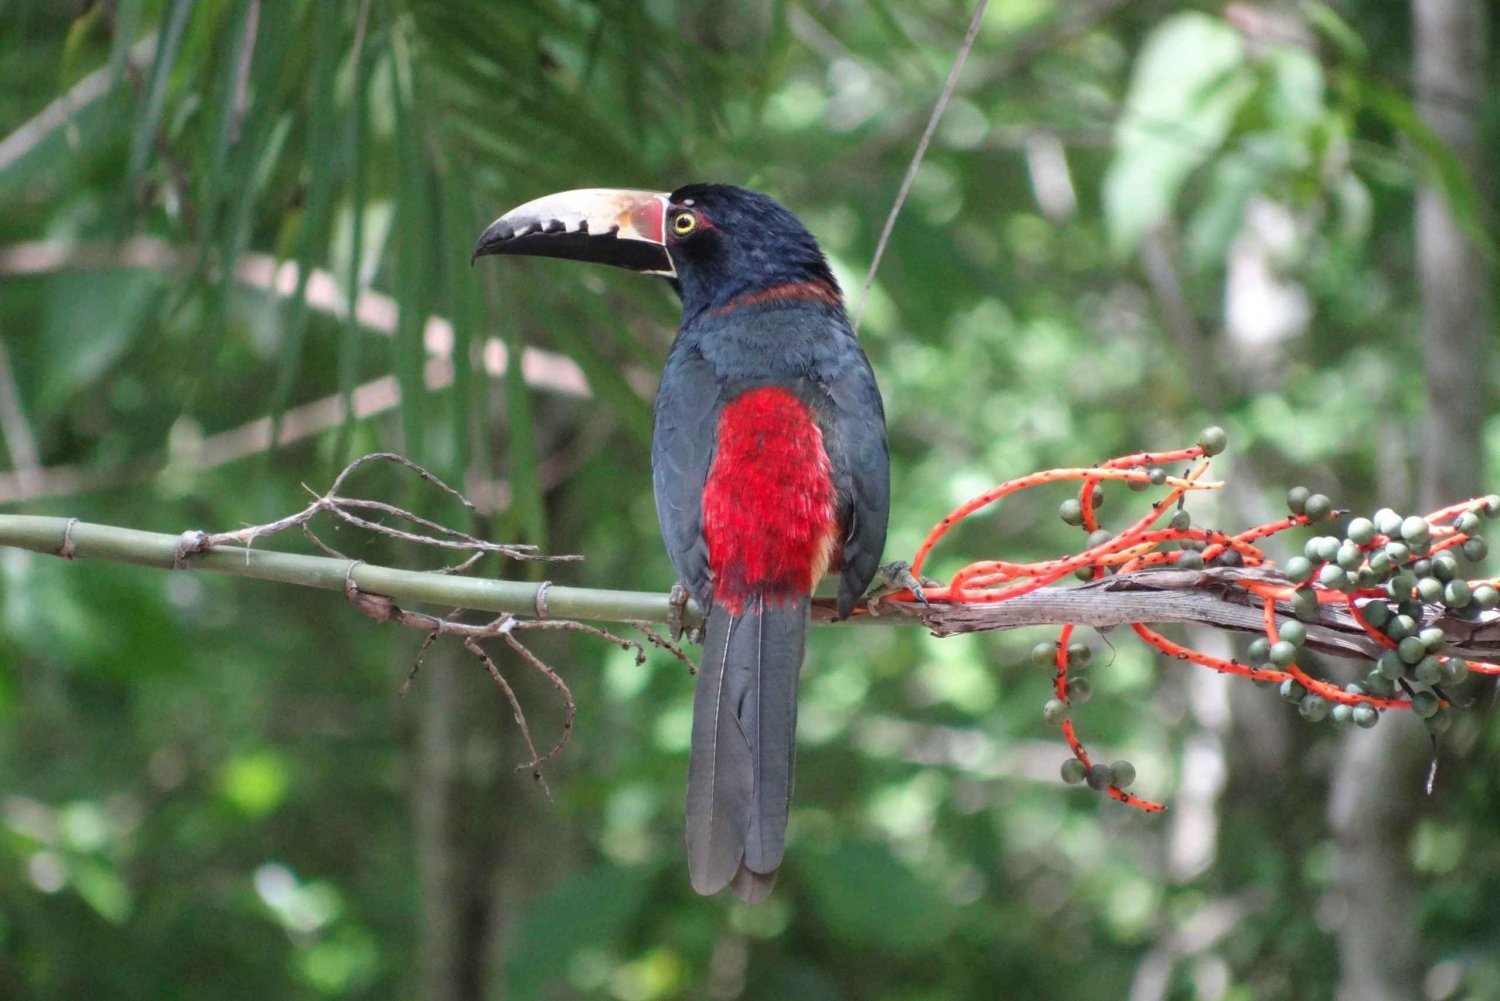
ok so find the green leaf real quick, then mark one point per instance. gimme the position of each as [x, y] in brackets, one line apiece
[594, 909]
[1188, 83]
[156, 88]
[1443, 169]
[322, 161]
[101, 888]
[867, 896]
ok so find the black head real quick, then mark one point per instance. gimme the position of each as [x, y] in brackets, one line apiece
[726, 242]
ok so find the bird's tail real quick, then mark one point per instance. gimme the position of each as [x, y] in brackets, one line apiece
[744, 727]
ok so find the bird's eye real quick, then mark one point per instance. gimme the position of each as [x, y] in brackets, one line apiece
[684, 223]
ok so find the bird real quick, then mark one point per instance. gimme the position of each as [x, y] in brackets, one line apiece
[770, 468]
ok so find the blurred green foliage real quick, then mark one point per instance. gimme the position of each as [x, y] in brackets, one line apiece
[208, 788]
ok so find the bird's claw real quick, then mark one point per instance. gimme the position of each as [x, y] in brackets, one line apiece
[677, 601]
[895, 577]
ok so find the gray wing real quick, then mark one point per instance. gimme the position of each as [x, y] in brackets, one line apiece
[682, 449]
[861, 474]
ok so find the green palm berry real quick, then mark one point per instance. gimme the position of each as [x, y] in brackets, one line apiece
[1190, 560]
[1296, 499]
[1079, 656]
[1390, 665]
[1259, 649]
[1138, 485]
[1433, 638]
[1294, 633]
[1387, 521]
[1422, 568]
[1044, 654]
[1379, 685]
[1400, 586]
[1099, 777]
[1439, 722]
[1071, 512]
[1311, 548]
[1410, 650]
[1292, 690]
[1122, 773]
[1455, 670]
[1097, 498]
[1083, 573]
[1380, 561]
[1491, 507]
[1334, 576]
[1282, 653]
[1486, 596]
[1412, 609]
[1399, 552]
[1415, 529]
[1425, 704]
[1073, 771]
[1099, 537]
[1342, 713]
[1376, 613]
[1318, 508]
[1430, 589]
[1298, 569]
[1158, 476]
[1180, 520]
[1475, 548]
[1365, 716]
[1328, 548]
[1212, 440]
[1467, 523]
[1349, 556]
[1314, 708]
[1355, 688]
[1305, 605]
[1055, 711]
[1361, 531]
[1427, 671]
[1079, 691]
[1444, 566]
[1400, 627]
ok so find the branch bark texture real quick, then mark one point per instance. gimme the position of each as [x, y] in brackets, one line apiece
[1207, 597]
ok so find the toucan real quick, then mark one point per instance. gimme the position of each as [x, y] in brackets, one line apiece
[770, 469]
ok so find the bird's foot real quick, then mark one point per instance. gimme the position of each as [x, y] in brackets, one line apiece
[895, 577]
[677, 602]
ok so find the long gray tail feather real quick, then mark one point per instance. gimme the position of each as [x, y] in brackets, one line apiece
[744, 728]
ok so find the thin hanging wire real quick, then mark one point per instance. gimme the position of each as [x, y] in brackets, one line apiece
[916, 160]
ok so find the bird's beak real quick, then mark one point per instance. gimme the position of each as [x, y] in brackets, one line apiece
[627, 229]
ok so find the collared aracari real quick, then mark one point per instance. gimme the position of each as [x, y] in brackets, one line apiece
[769, 465]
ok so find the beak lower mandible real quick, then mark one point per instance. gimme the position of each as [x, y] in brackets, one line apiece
[623, 228]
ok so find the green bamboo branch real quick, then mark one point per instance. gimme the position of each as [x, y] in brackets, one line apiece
[82, 540]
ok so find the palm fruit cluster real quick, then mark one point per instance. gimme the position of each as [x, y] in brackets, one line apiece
[1404, 575]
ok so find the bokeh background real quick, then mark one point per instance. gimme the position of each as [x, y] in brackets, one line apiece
[1135, 218]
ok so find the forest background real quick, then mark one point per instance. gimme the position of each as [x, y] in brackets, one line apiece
[1134, 219]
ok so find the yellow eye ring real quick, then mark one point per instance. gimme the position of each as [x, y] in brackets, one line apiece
[684, 223]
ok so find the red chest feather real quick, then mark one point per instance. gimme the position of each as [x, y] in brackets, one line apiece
[768, 506]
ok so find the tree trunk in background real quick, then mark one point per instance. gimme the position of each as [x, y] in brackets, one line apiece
[437, 802]
[1377, 792]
